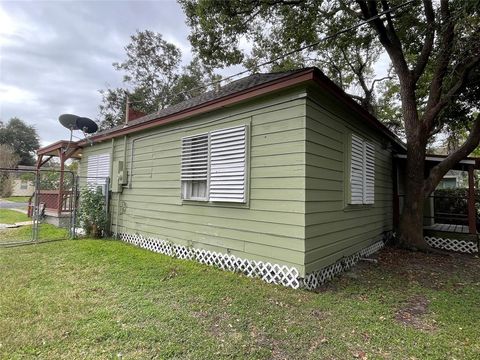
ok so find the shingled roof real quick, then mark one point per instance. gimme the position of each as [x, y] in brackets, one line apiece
[244, 89]
[226, 90]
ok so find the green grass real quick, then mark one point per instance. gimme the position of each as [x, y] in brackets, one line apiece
[24, 233]
[11, 216]
[17, 199]
[106, 299]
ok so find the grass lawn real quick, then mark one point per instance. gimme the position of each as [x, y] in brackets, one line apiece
[24, 233]
[11, 216]
[17, 199]
[106, 299]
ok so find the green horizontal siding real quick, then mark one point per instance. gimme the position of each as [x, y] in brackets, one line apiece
[297, 212]
[334, 229]
[270, 227]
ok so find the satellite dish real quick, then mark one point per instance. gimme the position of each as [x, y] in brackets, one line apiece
[74, 122]
[69, 121]
[87, 125]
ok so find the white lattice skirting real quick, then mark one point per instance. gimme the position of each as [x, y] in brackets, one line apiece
[452, 244]
[317, 278]
[271, 273]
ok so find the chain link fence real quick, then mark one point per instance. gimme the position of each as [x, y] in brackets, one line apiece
[47, 205]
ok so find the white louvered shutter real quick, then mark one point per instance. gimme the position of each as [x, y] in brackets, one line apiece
[228, 164]
[356, 171]
[369, 183]
[194, 162]
[98, 169]
[92, 169]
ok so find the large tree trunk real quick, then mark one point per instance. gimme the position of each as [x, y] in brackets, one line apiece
[411, 221]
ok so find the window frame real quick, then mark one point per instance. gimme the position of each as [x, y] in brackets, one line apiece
[182, 182]
[207, 200]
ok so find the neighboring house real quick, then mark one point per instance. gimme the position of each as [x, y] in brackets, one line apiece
[277, 175]
[23, 187]
[452, 180]
[23, 181]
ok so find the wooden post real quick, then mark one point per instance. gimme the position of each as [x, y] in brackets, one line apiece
[60, 192]
[39, 161]
[472, 218]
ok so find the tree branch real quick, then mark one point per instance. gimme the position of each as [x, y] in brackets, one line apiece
[387, 36]
[422, 59]
[378, 80]
[357, 72]
[446, 48]
[438, 171]
[431, 113]
[356, 97]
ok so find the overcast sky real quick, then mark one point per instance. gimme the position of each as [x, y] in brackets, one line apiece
[56, 55]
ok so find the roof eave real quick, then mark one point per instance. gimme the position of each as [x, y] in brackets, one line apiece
[58, 145]
[331, 87]
[229, 100]
[310, 74]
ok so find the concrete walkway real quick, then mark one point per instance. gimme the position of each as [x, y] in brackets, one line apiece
[15, 206]
[16, 225]
[20, 207]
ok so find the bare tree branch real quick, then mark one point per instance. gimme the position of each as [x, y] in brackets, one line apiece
[430, 115]
[422, 59]
[447, 39]
[356, 97]
[372, 87]
[438, 171]
[387, 36]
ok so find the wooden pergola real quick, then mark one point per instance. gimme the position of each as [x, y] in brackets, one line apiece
[64, 150]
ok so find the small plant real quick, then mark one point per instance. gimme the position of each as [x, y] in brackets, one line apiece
[92, 215]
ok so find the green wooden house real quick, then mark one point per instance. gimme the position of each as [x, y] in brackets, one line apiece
[282, 169]
[279, 175]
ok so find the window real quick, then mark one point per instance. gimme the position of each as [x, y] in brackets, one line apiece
[24, 184]
[195, 167]
[362, 171]
[214, 166]
[98, 169]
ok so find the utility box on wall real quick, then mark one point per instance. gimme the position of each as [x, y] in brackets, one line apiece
[119, 176]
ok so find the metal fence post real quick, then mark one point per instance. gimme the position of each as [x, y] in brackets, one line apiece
[76, 197]
[107, 200]
[36, 207]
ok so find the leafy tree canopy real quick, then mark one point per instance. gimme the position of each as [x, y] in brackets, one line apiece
[221, 28]
[153, 78]
[22, 138]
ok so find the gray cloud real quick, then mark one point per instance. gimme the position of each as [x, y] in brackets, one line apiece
[55, 56]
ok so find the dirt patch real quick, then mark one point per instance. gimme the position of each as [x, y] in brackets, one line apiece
[413, 314]
[429, 270]
[319, 314]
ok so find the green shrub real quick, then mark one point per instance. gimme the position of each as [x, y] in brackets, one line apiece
[92, 216]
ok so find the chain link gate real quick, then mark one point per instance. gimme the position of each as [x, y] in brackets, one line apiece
[54, 205]
[17, 190]
[36, 205]
[44, 205]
